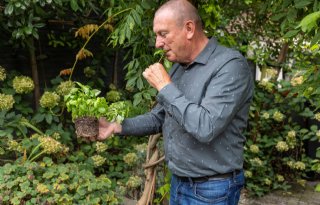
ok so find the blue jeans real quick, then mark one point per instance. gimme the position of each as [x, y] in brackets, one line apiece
[224, 191]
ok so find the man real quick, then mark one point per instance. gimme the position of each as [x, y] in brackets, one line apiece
[202, 109]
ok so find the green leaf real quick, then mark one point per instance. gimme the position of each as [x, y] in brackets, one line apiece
[300, 4]
[8, 10]
[317, 189]
[309, 22]
[291, 33]
[74, 5]
[277, 17]
[49, 118]
[137, 99]
[315, 39]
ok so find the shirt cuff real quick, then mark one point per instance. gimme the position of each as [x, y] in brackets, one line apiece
[167, 95]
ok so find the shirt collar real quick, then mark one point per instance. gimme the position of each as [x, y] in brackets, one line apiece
[205, 54]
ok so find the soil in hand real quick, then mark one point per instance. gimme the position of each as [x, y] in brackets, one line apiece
[87, 127]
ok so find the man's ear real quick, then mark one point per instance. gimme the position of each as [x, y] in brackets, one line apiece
[190, 29]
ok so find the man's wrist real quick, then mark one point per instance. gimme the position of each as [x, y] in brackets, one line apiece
[117, 128]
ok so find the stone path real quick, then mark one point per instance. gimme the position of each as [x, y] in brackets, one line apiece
[297, 196]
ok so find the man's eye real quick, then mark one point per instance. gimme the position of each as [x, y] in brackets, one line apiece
[163, 34]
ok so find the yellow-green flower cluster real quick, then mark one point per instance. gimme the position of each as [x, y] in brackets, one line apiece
[291, 139]
[56, 135]
[254, 148]
[113, 96]
[282, 146]
[134, 182]
[42, 188]
[98, 160]
[266, 85]
[296, 81]
[3, 74]
[271, 72]
[52, 146]
[65, 87]
[6, 102]
[280, 178]
[302, 182]
[14, 146]
[23, 84]
[296, 165]
[49, 100]
[317, 116]
[278, 116]
[267, 181]
[101, 147]
[130, 158]
[256, 161]
[141, 147]
[265, 115]
[248, 174]
[300, 166]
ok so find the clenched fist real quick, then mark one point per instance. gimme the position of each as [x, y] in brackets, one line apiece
[157, 76]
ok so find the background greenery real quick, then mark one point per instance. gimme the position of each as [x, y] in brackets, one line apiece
[38, 147]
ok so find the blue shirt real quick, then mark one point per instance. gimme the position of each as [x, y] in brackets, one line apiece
[202, 113]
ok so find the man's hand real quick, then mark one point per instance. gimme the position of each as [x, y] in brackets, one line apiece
[107, 129]
[157, 76]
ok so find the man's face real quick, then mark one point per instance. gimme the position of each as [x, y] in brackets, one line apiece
[170, 37]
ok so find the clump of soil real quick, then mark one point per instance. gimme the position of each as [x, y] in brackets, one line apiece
[87, 127]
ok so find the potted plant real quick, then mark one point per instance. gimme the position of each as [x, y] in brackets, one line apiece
[86, 108]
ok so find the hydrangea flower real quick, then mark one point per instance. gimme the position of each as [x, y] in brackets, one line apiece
[101, 147]
[267, 181]
[292, 134]
[130, 158]
[52, 146]
[49, 100]
[65, 87]
[254, 148]
[3, 74]
[23, 84]
[98, 160]
[299, 166]
[296, 81]
[317, 116]
[6, 102]
[265, 115]
[141, 147]
[14, 146]
[280, 178]
[256, 161]
[282, 146]
[248, 174]
[134, 182]
[278, 116]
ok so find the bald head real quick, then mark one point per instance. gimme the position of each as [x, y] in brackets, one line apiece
[182, 11]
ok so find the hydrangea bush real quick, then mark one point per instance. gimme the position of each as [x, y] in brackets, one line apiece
[275, 155]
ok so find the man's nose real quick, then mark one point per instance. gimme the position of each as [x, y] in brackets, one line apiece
[159, 43]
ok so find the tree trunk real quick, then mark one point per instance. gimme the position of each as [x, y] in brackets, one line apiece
[35, 75]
